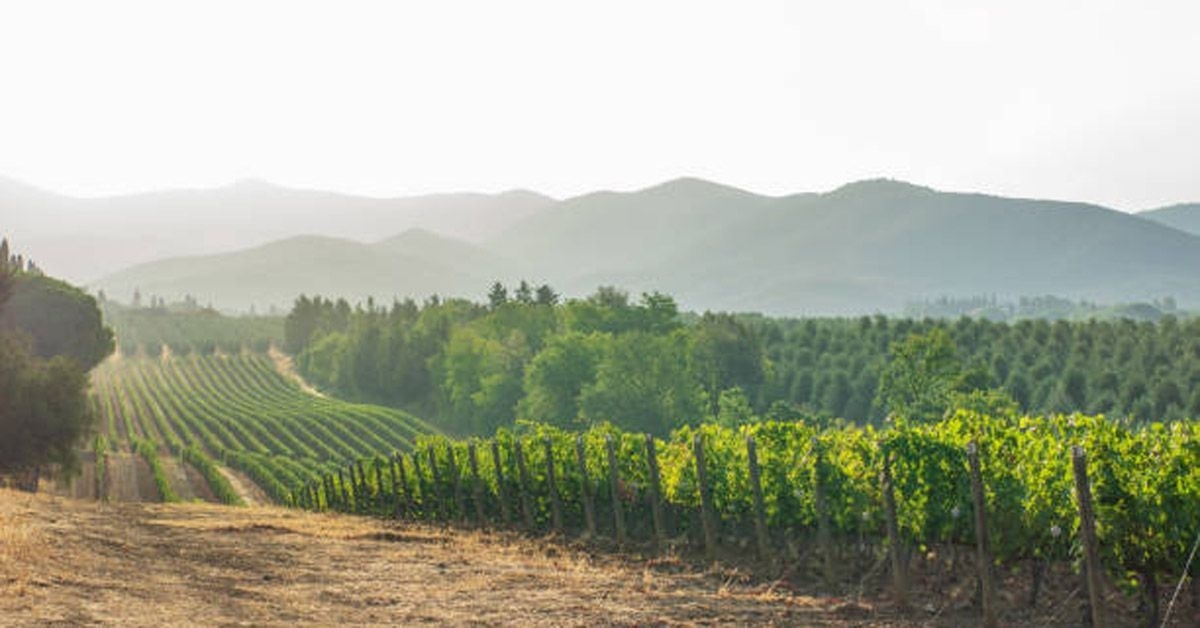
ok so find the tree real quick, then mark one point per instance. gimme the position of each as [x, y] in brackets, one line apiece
[557, 375]
[497, 296]
[643, 383]
[546, 295]
[43, 402]
[921, 372]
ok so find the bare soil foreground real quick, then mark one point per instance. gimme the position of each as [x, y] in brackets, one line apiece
[75, 562]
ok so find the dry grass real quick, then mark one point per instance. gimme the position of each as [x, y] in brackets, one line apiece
[77, 562]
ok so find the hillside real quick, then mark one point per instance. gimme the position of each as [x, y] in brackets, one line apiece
[865, 247]
[415, 263]
[83, 239]
[1184, 217]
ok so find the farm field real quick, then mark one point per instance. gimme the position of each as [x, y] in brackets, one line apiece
[232, 428]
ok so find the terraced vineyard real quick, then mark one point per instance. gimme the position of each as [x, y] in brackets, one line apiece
[239, 410]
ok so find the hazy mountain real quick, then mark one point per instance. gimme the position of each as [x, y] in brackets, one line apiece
[83, 239]
[416, 263]
[1185, 217]
[865, 247]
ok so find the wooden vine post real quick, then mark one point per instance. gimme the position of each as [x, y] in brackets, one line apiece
[821, 502]
[437, 506]
[361, 492]
[501, 490]
[656, 502]
[476, 483]
[706, 506]
[1087, 536]
[379, 495]
[523, 486]
[760, 511]
[397, 504]
[460, 503]
[344, 493]
[614, 480]
[327, 481]
[895, 549]
[585, 488]
[425, 502]
[984, 555]
[556, 516]
[405, 490]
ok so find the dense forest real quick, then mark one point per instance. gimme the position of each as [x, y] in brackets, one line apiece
[472, 367]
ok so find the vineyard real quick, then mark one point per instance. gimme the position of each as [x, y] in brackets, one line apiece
[784, 487]
[240, 411]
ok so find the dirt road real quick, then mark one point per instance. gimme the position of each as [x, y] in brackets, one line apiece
[74, 562]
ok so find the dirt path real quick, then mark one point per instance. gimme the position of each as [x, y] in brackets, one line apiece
[177, 475]
[283, 363]
[130, 479]
[245, 487]
[69, 562]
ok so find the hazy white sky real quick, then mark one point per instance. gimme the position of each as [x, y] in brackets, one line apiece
[1089, 100]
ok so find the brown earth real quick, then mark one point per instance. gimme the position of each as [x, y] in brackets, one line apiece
[72, 562]
[75, 562]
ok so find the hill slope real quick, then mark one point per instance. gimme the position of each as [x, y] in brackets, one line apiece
[415, 264]
[1184, 217]
[865, 247]
[83, 239]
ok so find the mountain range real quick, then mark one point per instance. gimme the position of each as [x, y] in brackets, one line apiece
[865, 247]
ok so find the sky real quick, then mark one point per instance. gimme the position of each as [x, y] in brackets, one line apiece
[1092, 101]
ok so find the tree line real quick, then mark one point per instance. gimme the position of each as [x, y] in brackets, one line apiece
[643, 365]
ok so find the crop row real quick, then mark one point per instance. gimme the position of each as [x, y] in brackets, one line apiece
[240, 410]
[791, 483]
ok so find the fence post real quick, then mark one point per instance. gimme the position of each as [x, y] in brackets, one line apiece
[706, 506]
[476, 483]
[344, 492]
[422, 488]
[436, 493]
[555, 502]
[760, 514]
[981, 538]
[899, 570]
[1087, 534]
[585, 488]
[501, 491]
[395, 485]
[824, 532]
[361, 492]
[523, 485]
[614, 478]
[656, 504]
[460, 503]
[379, 503]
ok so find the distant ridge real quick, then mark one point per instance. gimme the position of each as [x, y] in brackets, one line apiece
[867, 246]
[83, 239]
[1185, 217]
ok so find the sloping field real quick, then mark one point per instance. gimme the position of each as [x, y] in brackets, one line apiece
[239, 411]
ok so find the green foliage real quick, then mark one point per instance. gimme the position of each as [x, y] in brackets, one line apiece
[188, 329]
[921, 373]
[61, 319]
[241, 410]
[148, 450]
[1145, 481]
[220, 486]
